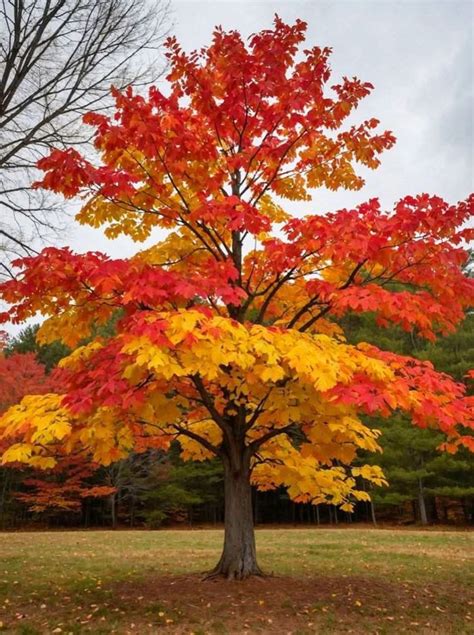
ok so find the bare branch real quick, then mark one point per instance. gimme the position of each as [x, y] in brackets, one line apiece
[58, 59]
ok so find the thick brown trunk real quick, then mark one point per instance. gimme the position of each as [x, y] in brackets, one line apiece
[239, 558]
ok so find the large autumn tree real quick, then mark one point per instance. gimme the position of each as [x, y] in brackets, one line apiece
[228, 339]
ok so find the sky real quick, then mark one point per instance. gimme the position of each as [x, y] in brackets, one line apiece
[418, 55]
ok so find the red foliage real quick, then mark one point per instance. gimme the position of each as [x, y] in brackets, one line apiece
[21, 374]
[64, 487]
[211, 316]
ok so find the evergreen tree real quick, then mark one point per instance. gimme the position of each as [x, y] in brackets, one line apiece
[25, 342]
[417, 471]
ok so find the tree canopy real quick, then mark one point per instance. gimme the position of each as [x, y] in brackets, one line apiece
[228, 337]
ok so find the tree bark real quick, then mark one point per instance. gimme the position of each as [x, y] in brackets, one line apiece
[421, 503]
[239, 558]
[113, 510]
[372, 513]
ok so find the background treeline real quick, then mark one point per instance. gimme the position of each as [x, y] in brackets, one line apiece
[154, 489]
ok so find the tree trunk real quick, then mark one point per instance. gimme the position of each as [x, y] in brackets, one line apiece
[255, 507]
[239, 558]
[3, 499]
[113, 510]
[372, 513]
[421, 503]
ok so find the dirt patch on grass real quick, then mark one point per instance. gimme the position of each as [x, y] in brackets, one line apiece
[181, 605]
[283, 605]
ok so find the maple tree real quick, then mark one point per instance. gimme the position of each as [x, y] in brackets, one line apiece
[20, 375]
[227, 338]
[65, 484]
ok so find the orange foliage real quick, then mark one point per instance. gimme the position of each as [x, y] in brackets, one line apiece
[228, 338]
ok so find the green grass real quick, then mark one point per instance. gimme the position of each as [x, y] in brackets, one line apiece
[326, 580]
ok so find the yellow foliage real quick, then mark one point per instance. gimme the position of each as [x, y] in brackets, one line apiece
[293, 373]
[191, 449]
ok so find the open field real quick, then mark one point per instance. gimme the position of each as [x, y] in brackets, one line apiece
[325, 581]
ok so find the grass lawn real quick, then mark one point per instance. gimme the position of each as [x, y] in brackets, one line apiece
[324, 581]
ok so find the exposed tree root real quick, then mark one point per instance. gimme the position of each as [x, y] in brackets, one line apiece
[236, 571]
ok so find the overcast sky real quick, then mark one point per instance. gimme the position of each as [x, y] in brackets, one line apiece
[418, 55]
